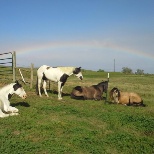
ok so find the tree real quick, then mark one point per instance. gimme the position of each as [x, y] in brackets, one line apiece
[139, 71]
[127, 70]
[100, 70]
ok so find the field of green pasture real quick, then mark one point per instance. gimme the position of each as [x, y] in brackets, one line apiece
[49, 126]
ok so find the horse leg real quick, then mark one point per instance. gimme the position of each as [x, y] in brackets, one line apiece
[2, 115]
[44, 87]
[13, 113]
[4, 104]
[97, 97]
[60, 87]
[12, 109]
[9, 109]
[39, 87]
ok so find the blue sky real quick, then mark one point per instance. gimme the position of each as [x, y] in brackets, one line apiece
[86, 33]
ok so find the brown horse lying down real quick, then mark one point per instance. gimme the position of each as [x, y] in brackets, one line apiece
[93, 92]
[125, 98]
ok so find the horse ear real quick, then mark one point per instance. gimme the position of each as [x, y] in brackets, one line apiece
[79, 67]
[17, 82]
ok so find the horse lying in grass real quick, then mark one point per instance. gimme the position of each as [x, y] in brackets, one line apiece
[93, 92]
[56, 74]
[5, 94]
[125, 98]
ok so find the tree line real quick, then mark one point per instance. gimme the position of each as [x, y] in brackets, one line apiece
[127, 70]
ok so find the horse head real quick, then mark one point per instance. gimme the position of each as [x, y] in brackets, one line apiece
[19, 90]
[77, 72]
[115, 94]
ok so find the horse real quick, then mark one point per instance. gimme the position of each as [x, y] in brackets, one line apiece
[6, 93]
[125, 98]
[55, 74]
[93, 92]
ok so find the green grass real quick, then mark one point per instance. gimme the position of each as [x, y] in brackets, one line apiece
[46, 125]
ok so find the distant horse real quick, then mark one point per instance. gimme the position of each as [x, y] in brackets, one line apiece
[56, 74]
[125, 98]
[5, 94]
[93, 92]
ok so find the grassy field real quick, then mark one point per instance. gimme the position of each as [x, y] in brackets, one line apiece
[48, 126]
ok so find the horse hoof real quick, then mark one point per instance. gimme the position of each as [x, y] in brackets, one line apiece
[59, 98]
[4, 115]
[12, 114]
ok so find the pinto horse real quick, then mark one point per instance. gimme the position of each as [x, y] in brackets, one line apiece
[93, 92]
[125, 98]
[55, 74]
[5, 94]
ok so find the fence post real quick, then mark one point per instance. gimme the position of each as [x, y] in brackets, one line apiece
[31, 80]
[14, 65]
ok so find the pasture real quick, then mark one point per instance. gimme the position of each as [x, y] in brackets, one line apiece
[48, 125]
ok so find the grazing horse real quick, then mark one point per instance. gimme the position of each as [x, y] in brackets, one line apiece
[5, 94]
[93, 92]
[56, 74]
[125, 98]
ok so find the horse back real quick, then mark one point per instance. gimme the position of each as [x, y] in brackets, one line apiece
[92, 92]
[134, 97]
[124, 98]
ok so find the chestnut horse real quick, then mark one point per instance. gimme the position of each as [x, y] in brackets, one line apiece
[125, 98]
[93, 92]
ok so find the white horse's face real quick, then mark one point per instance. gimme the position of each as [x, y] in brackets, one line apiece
[19, 90]
[78, 73]
[21, 93]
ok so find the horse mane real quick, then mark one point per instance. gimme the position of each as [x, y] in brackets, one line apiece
[6, 86]
[14, 85]
[105, 85]
[67, 70]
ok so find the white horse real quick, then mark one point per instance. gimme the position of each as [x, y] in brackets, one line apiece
[56, 74]
[5, 94]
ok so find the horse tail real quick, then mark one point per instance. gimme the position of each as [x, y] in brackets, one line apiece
[141, 104]
[77, 97]
[77, 93]
[78, 88]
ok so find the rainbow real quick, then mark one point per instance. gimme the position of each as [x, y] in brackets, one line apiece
[41, 47]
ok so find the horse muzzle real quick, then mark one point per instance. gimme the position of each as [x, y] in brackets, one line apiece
[81, 78]
[24, 96]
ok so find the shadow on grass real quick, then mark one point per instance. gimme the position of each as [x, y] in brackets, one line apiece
[56, 92]
[25, 104]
